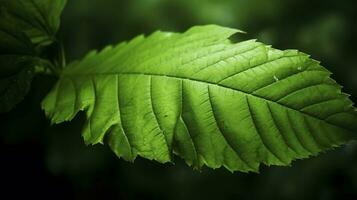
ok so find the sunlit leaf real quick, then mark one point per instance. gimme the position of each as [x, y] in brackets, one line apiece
[206, 99]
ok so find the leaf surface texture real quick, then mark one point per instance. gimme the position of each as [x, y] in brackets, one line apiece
[206, 99]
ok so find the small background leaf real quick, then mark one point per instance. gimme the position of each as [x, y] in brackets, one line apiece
[26, 29]
[38, 19]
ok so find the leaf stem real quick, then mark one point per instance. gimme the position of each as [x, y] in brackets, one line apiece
[62, 55]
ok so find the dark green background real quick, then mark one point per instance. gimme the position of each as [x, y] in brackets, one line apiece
[38, 160]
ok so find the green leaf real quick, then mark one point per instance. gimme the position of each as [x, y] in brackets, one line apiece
[38, 19]
[206, 99]
[14, 86]
[26, 27]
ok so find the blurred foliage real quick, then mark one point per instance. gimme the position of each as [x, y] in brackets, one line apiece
[43, 161]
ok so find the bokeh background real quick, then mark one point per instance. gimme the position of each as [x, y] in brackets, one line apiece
[52, 162]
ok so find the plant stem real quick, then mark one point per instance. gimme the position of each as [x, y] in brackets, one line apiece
[62, 55]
